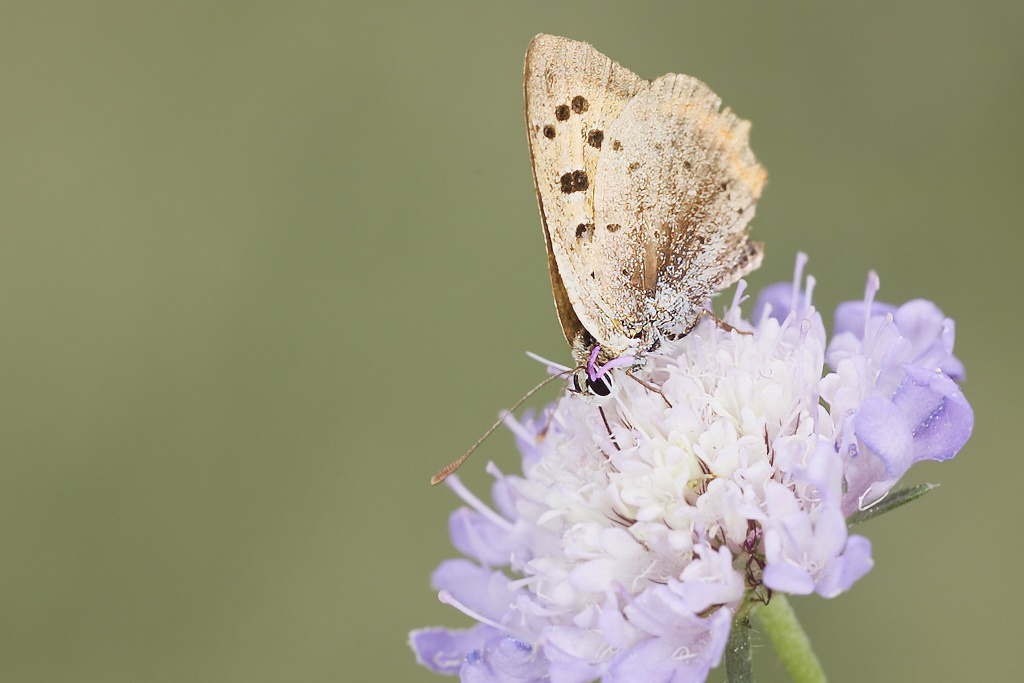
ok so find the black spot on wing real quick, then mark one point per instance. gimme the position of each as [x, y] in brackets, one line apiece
[549, 132]
[585, 233]
[595, 138]
[576, 181]
[562, 112]
[580, 104]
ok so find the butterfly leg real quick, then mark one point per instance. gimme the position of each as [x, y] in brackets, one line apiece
[721, 323]
[609, 428]
[650, 387]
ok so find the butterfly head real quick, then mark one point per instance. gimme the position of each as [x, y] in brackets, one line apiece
[593, 379]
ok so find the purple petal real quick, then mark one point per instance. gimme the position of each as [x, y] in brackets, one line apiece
[481, 538]
[573, 653]
[444, 650]
[481, 590]
[710, 580]
[788, 536]
[573, 642]
[788, 579]
[478, 668]
[931, 335]
[783, 298]
[619, 633]
[823, 470]
[660, 611]
[848, 568]
[928, 418]
[503, 496]
[830, 532]
[866, 479]
[953, 368]
[679, 657]
[573, 671]
[920, 321]
[656, 660]
[526, 431]
[882, 429]
[779, 297]
[518, 659]
[849, 316]
[806, 554]
[936, 411]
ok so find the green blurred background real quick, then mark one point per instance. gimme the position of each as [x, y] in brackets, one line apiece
[264, 269]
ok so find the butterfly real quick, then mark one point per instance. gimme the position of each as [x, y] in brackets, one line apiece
[646, 190]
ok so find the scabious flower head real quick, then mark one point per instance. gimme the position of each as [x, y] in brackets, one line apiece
[643, 524]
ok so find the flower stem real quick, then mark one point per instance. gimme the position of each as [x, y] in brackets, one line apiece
[739, 661]
[792, 645]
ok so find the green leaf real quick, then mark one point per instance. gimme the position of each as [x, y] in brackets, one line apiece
[893, 500]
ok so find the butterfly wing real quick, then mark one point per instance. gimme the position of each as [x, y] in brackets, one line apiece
[573, 95]
[680, 181]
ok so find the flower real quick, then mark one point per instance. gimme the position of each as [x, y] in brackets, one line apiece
[645, 523]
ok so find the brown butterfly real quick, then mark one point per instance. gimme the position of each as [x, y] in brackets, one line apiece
[646, 189]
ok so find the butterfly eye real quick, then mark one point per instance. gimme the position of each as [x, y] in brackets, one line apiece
[600, 387]
[582, 384]
[579, 381]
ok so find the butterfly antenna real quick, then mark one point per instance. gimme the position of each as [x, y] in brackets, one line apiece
[443, 474]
